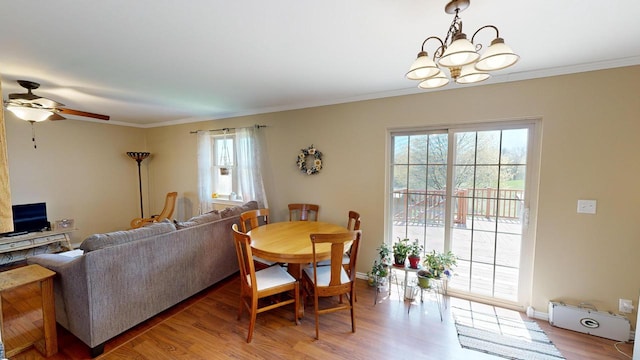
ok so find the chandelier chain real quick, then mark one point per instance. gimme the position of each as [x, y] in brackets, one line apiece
[454, 28]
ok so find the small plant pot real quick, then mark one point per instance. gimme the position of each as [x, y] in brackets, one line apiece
[399, 260]
[423, 281]
[414, 262]
[383, 286]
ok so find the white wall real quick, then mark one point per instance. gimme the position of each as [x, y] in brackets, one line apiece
[79, 169]
[590, 126]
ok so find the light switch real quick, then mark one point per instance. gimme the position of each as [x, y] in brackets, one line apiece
[586, 206]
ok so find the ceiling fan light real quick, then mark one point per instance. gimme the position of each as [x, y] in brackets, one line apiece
[422, 68]
[29, 114]
[434, 82]
[461, 52]
[469, 75]
[498, 56]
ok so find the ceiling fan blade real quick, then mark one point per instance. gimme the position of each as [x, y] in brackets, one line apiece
[82, 113]
[56, 117]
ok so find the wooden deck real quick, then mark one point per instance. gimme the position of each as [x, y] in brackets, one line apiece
[483, 232]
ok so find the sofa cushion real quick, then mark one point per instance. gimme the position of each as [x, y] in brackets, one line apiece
[237, 210]
[100, 241]
[199, 219]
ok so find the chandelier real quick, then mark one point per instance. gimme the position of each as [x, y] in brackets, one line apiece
[462, 57]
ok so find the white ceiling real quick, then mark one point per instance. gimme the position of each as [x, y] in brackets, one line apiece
[149, 62]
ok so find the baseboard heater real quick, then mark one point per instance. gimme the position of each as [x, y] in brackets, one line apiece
[585, 318]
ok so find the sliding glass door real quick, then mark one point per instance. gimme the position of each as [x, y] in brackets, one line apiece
[466, 190]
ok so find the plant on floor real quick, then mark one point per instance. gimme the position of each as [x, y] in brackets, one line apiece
[400, 251]
[380, 268]
[378, 273]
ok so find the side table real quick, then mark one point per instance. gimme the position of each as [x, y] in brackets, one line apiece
[26, 275]
[436, 285]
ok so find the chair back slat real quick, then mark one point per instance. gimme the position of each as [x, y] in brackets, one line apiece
[338, 243]
[245, 259]
[303, 212]
[255, 218]
[354, 221]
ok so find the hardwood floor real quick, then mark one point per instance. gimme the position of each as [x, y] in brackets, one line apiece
[205, 327]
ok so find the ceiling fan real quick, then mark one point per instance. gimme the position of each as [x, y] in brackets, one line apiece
[31, 107]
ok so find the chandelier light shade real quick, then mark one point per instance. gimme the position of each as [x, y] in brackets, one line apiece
[460, 52]
[434, 82]
[469, 75]
[498, 56]
[422, 68]
[462, 57]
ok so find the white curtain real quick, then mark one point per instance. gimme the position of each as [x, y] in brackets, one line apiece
[204, 171]
[251, 158]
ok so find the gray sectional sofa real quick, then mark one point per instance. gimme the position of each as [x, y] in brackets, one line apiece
[126, 277]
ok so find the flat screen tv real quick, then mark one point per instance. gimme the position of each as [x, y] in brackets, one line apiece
[29, 218]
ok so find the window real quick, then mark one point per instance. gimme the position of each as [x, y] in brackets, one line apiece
[463, 189]
[224, 176]
[230, 166]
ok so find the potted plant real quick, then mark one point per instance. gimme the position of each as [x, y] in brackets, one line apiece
[384, 253]
[435, 266]
[400, 252]
[378, 275]
[380, 269]
[415, 250]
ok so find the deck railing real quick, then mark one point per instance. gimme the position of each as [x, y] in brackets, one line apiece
[427, 207]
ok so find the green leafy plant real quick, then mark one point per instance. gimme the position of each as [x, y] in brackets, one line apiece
[384, 253]
[438, 264]
[415, 249]
[400, 251]
[380, 268]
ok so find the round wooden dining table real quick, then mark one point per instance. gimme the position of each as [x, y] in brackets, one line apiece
[289, 242]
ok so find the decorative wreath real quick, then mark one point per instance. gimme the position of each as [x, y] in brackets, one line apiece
[302, 160]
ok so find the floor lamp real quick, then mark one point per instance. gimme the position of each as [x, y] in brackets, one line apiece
[138, 157]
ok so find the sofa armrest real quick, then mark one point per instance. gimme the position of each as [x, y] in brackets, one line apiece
[70, 289]
[53, 262]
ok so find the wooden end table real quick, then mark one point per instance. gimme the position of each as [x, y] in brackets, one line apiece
[26, 275]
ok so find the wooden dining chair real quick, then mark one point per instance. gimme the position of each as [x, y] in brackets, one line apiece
[250, 220]
[329, 281]
[353, 224]
[303, 212]
[255, 285]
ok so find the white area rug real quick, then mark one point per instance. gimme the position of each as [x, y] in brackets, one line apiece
[509, 337]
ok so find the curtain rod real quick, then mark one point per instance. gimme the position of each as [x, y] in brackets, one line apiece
[227, 129]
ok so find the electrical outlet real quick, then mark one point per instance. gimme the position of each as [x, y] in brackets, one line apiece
[625, 306]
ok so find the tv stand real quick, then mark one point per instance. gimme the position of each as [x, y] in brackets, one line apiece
[11, 244]
[16, 233]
